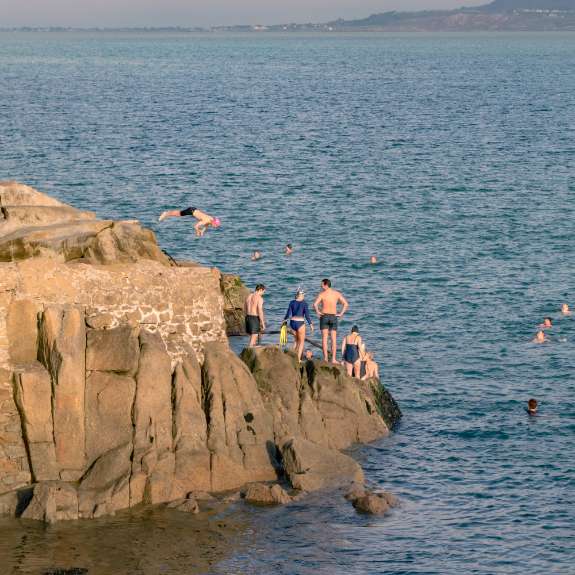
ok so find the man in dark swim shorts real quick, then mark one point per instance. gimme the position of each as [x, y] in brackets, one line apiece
[328, 321]
[325, 306]
[254, 310]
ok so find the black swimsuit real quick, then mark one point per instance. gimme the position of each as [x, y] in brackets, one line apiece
[188, 212]
[351, 353]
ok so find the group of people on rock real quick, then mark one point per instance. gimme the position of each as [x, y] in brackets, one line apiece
[541, 336]
[358, 361]
[330, 306]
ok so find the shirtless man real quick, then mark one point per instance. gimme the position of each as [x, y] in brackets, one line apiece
[325, 306]
[254, 310]
[204, 220]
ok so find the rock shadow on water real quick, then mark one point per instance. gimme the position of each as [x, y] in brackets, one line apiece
[136, 542]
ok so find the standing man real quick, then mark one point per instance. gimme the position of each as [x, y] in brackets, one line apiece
[325, 306]
[254, 310]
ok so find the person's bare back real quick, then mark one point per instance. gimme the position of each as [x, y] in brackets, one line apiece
[253, 304]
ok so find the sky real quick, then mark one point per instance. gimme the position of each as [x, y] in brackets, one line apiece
[203, 13]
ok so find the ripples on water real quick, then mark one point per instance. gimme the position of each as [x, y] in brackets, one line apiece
[451, 158]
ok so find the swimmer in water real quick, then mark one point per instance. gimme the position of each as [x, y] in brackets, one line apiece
[288, 251]
[547, 323]
[565, 309]
[540, 337]
[373, 260]
[204, 221]
[532, 407]
[256, 256]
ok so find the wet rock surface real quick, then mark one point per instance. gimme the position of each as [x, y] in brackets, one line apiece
[369, 501]
[262, 494]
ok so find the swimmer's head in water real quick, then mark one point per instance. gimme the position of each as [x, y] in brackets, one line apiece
[547, 322]
[532, 405]
[373, 260]
[216, 222]
[564, 308]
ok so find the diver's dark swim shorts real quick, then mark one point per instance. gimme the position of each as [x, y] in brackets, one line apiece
[328, 321]
[188, 212]
[252, 324]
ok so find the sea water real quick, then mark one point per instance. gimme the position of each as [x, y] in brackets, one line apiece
[449, 157]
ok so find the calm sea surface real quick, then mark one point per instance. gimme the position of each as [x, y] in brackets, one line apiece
[450, 157]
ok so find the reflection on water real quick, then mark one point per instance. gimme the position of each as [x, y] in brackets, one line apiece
[136, 542]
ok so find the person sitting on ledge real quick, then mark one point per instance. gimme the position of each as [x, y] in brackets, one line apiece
[204, 220]
[371, 367]
[532, 407]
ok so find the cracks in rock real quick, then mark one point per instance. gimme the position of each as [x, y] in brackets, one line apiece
[22, 414]
[174, 404]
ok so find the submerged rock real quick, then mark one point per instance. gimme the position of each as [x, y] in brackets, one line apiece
[262, 494]
[186, 505]
[372, 502]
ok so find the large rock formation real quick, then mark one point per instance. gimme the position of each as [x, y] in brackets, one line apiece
[117, 386]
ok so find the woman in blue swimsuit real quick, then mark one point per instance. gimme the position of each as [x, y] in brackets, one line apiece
[350, 351]
[298, 314]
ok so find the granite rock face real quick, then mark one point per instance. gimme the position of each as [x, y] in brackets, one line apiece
[33, 224]
[117, 386]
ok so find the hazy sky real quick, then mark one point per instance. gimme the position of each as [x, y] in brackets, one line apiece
[200, 12]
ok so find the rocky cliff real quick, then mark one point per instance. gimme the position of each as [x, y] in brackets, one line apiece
[117, 386]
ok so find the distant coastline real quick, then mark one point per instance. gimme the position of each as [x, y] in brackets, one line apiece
[497, 16]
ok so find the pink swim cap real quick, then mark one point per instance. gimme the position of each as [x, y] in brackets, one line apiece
[216, 222]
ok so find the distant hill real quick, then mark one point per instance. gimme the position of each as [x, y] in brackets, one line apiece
[510, 5]
[518, 15]
[534, 15]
